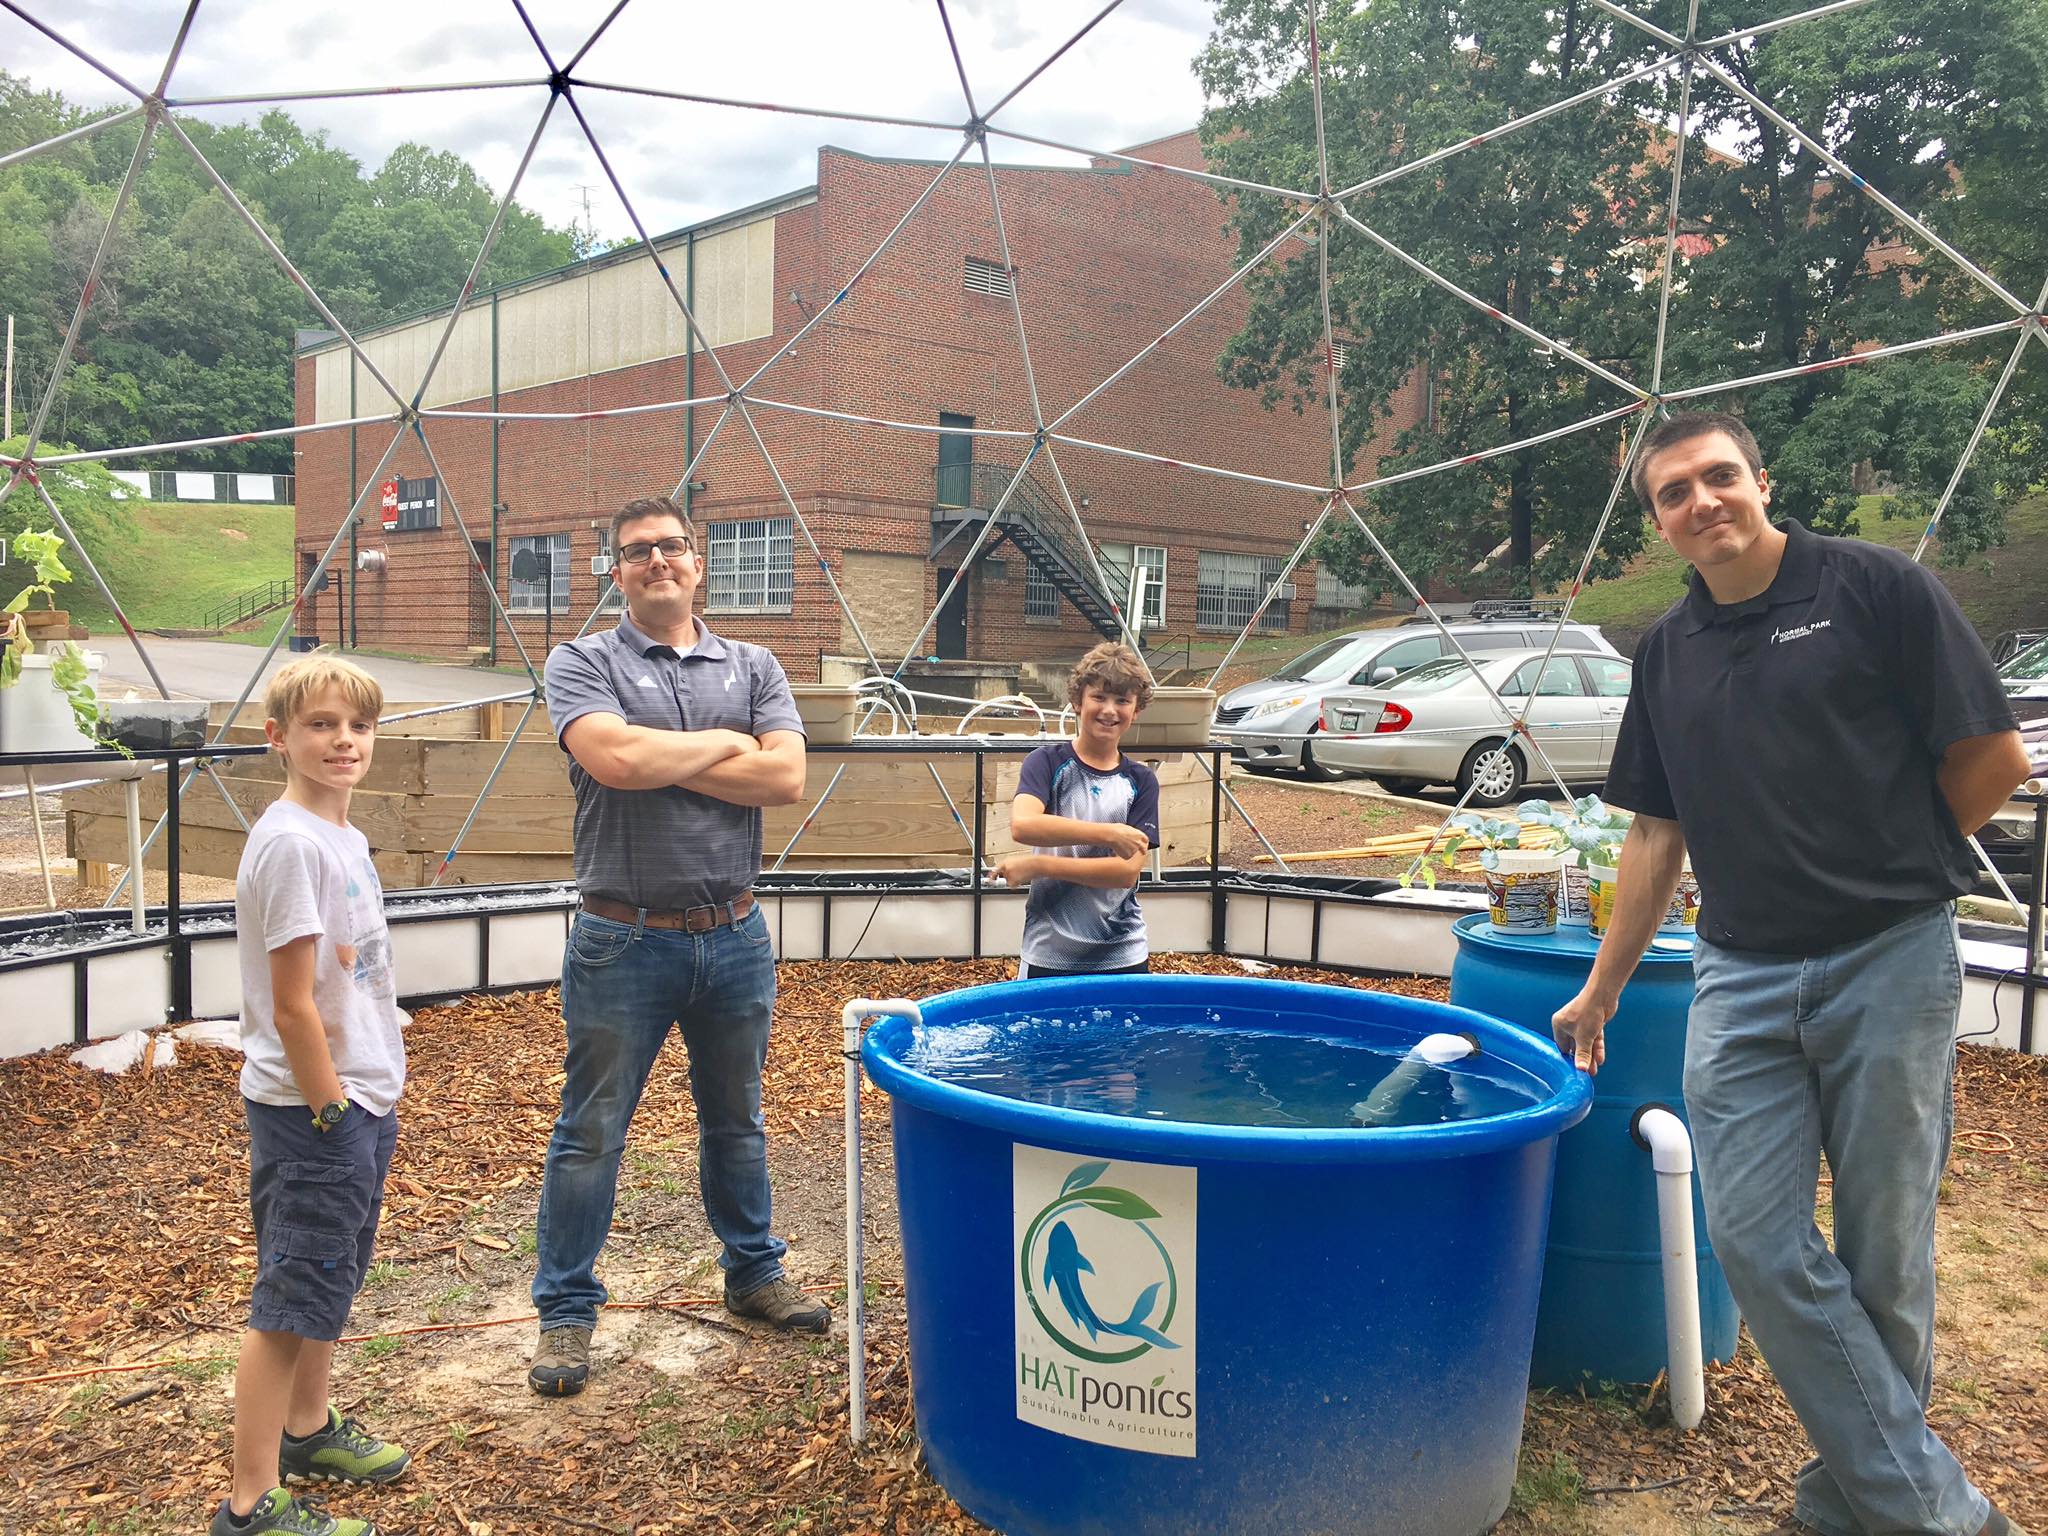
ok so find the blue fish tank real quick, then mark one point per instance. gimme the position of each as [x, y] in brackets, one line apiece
[1198, 1253]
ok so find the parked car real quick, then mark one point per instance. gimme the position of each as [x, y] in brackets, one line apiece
[2025, 675]
[1269, 723]
[2008, 837]
[1438, 725]
[2012, 642]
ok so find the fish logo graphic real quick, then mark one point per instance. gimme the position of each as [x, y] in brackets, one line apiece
[1064, 1266]
[1053, 1261]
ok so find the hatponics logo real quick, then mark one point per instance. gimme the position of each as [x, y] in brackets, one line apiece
[1105, 1300]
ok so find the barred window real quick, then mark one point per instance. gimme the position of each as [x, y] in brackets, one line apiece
[549, 591]
[1228, 588]
[611, 596]
[749, 566]
[1041, 597]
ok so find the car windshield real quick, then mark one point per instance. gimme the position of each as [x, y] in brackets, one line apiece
[2029, 665]
[1324, 663]
[1432, 676]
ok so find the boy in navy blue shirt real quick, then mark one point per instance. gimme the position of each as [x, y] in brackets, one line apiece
[1096, 814]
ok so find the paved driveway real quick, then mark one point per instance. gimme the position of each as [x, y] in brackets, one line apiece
[219, 670]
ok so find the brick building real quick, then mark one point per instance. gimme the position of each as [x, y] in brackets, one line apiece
[1106, 259]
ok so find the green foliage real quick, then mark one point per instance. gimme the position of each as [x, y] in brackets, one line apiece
[1489, 834]
[44, 552]
[1554, 1484]
[68, 672]
[1561, 224]
[1542, 226]
[96, 505]
[190, 333]
[1944, 106]
[1593, 830]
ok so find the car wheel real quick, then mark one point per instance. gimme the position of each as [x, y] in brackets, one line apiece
[1400, 786]
[1313, 770]
[1492, 773]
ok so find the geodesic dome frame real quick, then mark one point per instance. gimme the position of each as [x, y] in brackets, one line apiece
[1325, 207]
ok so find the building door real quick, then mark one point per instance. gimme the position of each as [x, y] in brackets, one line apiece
[482, 617]
[950, 635]
[306, 614]
[955, 475]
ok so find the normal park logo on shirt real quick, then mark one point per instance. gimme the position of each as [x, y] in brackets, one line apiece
[1800, 631]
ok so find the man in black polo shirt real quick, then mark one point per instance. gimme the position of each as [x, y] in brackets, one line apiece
[676, 738]
[1818, 727]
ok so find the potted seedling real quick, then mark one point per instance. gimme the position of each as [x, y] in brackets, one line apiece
[47, 699]
[1591, 833]
[1594, 832]
[1521, 881]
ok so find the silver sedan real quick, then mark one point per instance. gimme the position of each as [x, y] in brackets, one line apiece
[1439, 725]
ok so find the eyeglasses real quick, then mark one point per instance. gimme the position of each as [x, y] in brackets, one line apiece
[640, 554]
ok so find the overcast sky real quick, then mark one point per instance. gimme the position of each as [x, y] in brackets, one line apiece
[1127, 81]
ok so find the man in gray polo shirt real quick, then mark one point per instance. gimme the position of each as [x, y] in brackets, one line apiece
[676, 738]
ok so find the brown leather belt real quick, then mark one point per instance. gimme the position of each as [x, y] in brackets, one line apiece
[691, 920]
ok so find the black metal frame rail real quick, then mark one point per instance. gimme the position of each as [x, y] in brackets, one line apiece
[180, 948]
[101, 934]
[102, 930]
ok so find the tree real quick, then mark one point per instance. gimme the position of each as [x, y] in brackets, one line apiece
[1545, 226]
[1944, 106]
[92, 500]
[191, 328]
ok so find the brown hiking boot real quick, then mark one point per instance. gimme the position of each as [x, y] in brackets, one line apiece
[781, 1305]
[561, 1361]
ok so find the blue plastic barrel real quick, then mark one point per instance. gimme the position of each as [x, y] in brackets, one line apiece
[1602, 1317]
[1340, 1319]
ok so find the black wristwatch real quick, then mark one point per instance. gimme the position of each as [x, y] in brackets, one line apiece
[328, 1116]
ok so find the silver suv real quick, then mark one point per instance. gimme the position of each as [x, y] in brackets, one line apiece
[1269, 724]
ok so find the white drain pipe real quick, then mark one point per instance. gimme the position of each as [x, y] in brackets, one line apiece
[1383, 1105]
[856, 1280]
[1661, 1133]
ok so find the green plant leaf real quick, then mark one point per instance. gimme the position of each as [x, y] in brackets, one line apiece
[1083, 1176]
[1119, 1202]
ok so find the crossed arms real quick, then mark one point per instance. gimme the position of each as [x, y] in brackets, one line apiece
[1032, 825]
[726, 765]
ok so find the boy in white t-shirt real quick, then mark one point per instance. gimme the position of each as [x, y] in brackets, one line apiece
[323, 1066]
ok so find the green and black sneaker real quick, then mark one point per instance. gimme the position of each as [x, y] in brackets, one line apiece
[343, 1452]
[278, 1511]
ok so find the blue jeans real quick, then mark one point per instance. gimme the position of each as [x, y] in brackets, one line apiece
[1848, 1054]
[623, 988]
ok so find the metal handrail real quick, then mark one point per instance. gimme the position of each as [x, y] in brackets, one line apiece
[248, 604]
[978, 486]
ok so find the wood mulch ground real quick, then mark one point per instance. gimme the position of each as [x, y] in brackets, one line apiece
[125, 1259]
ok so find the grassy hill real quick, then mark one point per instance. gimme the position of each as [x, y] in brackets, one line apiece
[2000, 589]
[181, 560]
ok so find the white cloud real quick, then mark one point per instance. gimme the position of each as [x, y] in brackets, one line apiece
[1127, 81]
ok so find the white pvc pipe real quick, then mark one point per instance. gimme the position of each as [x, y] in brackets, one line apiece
[1015, 701]
[1383, 1105]
[856, 1281]
[1670, 1146]
[138, 916]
